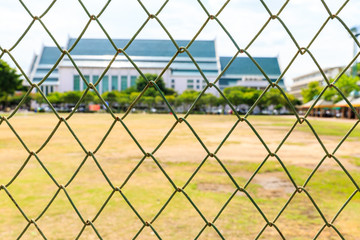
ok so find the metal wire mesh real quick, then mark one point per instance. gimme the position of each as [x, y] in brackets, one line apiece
[182, 190]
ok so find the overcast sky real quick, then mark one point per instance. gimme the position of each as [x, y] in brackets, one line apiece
[183, 18]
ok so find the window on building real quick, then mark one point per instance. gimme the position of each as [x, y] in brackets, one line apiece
[172, 80]
[114, 83]
[94, 80]
[76, 85]
[87, 78]
[203, 84]
[197, 81]
[133, 80]
[197, 87]
[172, 86]
[105, 84]
[124, 83]
[190, 84]
[51, 89]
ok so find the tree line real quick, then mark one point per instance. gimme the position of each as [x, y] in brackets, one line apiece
[347, 84]
[151, 99]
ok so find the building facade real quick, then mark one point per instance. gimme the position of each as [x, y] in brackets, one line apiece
[302, 81]
[92, 56]
[243, 72]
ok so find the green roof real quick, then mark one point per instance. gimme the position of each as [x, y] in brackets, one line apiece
[49, 55]
[142, 47]
[245, 66]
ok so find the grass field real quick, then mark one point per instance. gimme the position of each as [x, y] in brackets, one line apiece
[148, 189]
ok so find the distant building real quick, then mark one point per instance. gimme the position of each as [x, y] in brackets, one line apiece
[92, 56]
[243, 72]
[302, 81]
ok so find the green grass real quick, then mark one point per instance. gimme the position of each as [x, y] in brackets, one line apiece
[352, 159]
[148, 189]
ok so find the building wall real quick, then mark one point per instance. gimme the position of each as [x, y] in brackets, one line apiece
[193, 82]
[179, 83]
[302, 82]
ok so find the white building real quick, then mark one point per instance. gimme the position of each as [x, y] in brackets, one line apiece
[92, 56]
[302, 81]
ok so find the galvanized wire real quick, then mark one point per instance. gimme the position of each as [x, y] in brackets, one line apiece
[119, 119]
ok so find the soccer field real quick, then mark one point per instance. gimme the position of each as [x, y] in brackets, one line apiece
[147, 189]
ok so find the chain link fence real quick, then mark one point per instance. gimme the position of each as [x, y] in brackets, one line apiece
[299, 187]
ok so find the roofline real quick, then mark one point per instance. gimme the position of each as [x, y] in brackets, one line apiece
[311, 73]
[36, 64]
[142, 39]
[247, 57]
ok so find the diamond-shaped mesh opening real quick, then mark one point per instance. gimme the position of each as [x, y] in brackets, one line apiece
[11, 216]
[240, 215]
[270, 186]
[89, 191]
[32, 183]
[68, 151]
[207, 196]
[184, 176]
[174, 225]
[148, 200]
[59, 213]
[116, 213]
[13, 154]
[300, 212]
[340, 182]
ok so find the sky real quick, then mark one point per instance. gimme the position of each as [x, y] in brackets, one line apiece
[183, 18]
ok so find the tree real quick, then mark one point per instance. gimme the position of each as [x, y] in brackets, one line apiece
[171, 99]
[111, 98]
[187, 97]
[149, 101]
[209, 99]
[72, 97]
[9, 81]
[91, 97]
[152, 91]
[235, 97]
[141, 82]
[55, 97]
[313, 90]
[346, 84]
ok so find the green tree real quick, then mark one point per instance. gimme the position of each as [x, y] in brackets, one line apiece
[209, 99]
[152, 91]
[91, 97]
[16, 98]
[346, 84]
[242, 95]
[235, 97]
[38, 98]
[141, 82]
[171, 99]
[111, 98]
[149, 101]
[250, 97]
[72, 97]
[313, 90]
[55, 97]
[123, 100]
[9, 82]
[187, 98]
